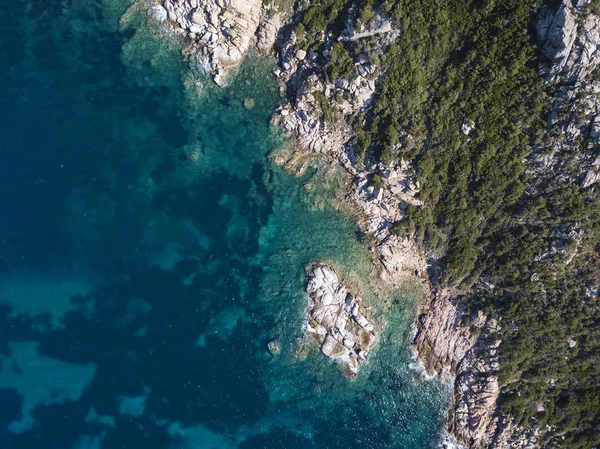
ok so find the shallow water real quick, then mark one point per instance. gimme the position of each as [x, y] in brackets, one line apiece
[149, 251]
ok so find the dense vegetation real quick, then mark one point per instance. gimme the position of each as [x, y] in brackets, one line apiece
[519, 243]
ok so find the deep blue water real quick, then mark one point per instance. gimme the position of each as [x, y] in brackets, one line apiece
[149, 251]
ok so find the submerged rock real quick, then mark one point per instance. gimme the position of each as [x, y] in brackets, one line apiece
[249, 103]
[274, 347]
[337, 319]
[159, 12]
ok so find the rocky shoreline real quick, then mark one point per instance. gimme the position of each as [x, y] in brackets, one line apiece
[379, 207]
[447, 339]
[220, 32]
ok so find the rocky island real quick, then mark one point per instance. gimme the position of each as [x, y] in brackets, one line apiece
[336, 319]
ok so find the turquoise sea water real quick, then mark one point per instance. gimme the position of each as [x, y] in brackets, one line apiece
[149, 251]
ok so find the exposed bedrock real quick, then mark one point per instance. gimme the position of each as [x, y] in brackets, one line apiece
[469, 354]
[337, 320]
[221, 32]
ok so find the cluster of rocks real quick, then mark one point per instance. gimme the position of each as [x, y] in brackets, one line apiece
[337, 320]
[384, 205]
[221, 32]
[303, 116]
[304, 121]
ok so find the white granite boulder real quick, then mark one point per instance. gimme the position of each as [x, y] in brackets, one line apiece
[337, 320]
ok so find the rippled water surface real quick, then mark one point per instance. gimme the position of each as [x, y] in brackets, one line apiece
[149, 251]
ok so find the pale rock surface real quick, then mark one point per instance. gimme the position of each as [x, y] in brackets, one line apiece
[159, 12]
[572, 58]
[443, 341]
[220, 31]
[337, 320]
[377, 26]
[558, 32]
[590, 177]
[467, 127]
[267, 33]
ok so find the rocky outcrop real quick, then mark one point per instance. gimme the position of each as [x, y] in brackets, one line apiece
[317, 110]
[337, 320]
[570, 38]
[268, 31]
[383, 193]
[220, 32]
[316, 117]
[304, 120]
[464, 348]
[441, 340]
[375, 27]
[558, 31]
[510, 436]
[400, 256]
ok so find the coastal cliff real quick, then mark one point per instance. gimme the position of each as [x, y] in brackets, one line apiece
[454, 344]
[325, 108]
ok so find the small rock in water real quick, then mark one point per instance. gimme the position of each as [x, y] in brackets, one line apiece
[249, 103]
[274, 347]
[279, 160]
